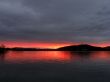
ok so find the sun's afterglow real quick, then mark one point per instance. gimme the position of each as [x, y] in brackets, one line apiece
[34, 44]
[45, 44]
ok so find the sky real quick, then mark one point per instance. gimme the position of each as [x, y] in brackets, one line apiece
[54, 23]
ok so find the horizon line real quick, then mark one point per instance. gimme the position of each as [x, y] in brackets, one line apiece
[2, 45]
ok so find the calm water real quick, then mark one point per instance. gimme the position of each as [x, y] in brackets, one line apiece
[53, 56]
[54, 66]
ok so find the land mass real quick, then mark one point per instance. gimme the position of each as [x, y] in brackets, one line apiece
[81, 47]
[84, 47]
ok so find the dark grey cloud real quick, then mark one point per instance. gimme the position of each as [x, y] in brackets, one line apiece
[55, 20]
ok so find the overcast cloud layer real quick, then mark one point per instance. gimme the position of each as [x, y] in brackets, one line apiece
[55, 20]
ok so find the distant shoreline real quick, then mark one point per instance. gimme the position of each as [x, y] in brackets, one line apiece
[81, 47]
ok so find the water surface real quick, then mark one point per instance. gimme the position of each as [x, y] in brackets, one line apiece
[54, 66]
[53, 56]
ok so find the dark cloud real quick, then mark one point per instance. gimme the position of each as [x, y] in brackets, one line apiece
[55, 20]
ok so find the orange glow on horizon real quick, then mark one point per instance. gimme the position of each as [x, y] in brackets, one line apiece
[101, 44]
[45, 45]
[34, 44]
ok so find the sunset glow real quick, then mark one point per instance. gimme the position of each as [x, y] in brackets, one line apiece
[35, 44]
[44, 44]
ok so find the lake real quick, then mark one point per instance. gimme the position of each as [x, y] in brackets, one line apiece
[55, 66]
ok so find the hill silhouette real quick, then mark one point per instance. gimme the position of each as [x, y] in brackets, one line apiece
[82, 47]
[107, 48]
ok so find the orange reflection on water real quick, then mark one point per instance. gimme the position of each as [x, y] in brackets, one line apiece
[100, 55]
[53, 56]
[38, 56]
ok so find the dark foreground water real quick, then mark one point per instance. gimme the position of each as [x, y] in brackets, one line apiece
[55, 66]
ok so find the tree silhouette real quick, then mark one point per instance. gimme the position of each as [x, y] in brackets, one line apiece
[2, 46]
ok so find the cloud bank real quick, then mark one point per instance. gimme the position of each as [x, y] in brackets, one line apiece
[55, 20]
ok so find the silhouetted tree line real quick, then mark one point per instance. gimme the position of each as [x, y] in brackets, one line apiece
[2, 48]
